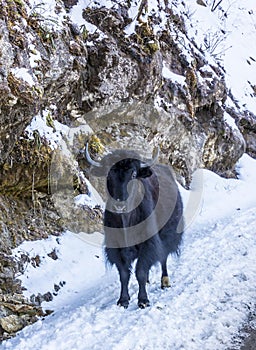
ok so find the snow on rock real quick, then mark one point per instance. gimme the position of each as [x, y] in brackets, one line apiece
[52, 14]
[76, 15]
[34, 56]
[166, 73]
[57, 134]
[93, 198]
[213, 283]
[24, 74]
[48, 128]
[227, 34]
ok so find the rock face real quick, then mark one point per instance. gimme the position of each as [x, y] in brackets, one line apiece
[52, 63]
[247, 125]
[134, 77]
[16, 313]
[18, 99]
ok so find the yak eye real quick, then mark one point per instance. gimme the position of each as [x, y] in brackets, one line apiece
[134, 174]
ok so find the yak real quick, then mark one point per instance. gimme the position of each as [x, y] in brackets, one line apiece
[143, 218]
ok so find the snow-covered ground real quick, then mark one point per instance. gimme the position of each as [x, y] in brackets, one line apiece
[213, 282]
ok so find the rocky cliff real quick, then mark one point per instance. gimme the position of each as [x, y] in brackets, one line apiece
[118, 74]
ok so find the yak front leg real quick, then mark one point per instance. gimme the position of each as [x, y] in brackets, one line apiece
[142, 277]
[124, 274]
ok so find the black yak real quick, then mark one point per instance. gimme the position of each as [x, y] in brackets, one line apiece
[143, 218]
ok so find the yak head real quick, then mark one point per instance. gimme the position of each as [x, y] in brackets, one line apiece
[122, 168]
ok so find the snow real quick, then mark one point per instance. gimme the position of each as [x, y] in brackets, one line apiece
[57, 134]
[166, 73]
[47, 10]
[76, 16]
[153, 7]
[23, 73]
[71, 248]
[132, 12]
[34, 56]
[231, 122]
[213, 282]
[52, 133]
[92, 199]
[228, 35]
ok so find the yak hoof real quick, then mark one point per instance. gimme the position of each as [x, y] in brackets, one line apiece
[143, 304]
[123, 303]
[165, 282]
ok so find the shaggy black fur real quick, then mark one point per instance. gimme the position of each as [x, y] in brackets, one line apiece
[155, 239]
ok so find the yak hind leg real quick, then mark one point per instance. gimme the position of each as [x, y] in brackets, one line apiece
[148, 280]
[165, 280]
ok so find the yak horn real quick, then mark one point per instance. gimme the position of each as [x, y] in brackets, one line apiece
[88, 157]
[153, 160]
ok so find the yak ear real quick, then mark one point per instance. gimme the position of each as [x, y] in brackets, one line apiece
[144, 172]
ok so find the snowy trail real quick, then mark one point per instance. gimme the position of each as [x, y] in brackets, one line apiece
[213, 283]
[213, 286]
